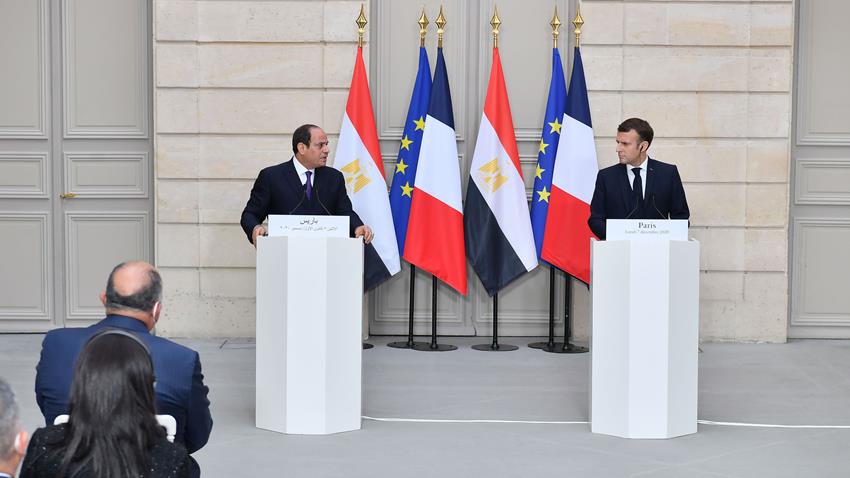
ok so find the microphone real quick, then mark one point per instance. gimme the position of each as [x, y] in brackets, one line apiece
[316, 192]
[629, 216]
[303, 195]
[652, 199]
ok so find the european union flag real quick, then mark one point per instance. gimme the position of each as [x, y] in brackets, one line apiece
[555, 106]
[404, 177]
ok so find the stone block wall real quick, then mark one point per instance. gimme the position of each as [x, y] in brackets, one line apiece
[233, 79]
[715, 80]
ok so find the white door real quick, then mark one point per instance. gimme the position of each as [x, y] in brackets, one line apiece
[820, 206]
[75, 155]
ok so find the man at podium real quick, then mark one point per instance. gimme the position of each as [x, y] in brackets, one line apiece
[302, 185]
[638, 187]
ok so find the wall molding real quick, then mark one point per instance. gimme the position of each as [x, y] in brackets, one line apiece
[72, 220]
[71, 129]
[44, 310]
[806, 167]
[38, 191]
[39, 130]
[140, 161]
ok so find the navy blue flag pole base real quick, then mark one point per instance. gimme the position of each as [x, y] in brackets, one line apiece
[409, 343]
[551, 342]
[566, 347]
[495, 346]
[367, 346]
[433, 346]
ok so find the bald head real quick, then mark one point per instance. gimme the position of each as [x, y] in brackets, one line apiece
[133, 286]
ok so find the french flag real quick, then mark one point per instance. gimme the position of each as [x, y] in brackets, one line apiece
[435, 227]
[358, 157]
[566, 243]
[499, 241]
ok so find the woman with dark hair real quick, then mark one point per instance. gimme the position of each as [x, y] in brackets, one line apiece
[112, 431]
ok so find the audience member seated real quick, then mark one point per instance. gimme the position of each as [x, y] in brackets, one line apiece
[132, 300]
[112, 430]
[13, 439]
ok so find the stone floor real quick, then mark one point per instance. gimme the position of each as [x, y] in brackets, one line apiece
[803, 385]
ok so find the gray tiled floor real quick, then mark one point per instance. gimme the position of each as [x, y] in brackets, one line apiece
[799, 383]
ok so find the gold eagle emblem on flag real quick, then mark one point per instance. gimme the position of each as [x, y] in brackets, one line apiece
[355, 177]
[490, 175]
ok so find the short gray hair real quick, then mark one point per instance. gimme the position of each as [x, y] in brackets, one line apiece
[9, 420]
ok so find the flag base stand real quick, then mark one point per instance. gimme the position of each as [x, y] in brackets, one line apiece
[367, 346]
[495, 346]
[559, 348]
[409, 343]
[566, 347]
[426, 347]
[405, 345]
[551, 342]
[433, 346]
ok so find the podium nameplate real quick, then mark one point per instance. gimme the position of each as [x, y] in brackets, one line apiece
[304, 225]
[646, 230]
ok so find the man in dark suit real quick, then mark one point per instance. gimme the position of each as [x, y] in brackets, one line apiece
[639, 187]
[13, 438]
[132, 302]
[302, 185]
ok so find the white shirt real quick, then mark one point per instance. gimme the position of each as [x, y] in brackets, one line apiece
[301, 170]
[643, 176]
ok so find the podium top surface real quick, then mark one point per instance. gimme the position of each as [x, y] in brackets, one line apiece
[646, 230]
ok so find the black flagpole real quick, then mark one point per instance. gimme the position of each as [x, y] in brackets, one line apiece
[433, 346]
[495, 346]
[409, 343]
[566, 347]
[551, 342]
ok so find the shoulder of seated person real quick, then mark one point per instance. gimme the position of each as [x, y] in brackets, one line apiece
[51, 435]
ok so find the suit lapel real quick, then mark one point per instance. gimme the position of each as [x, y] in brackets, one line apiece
[291, 177]
[650, 179]
[626, 188]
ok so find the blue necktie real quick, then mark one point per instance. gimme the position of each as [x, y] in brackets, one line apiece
[309, 186]
[637, 186]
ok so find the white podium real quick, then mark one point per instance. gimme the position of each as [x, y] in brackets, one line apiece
[309, 313]
[645, 338]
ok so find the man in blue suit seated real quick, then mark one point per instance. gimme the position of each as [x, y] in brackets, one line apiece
[132, 302]
[638, 187]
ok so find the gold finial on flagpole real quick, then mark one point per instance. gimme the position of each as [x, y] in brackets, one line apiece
[495, 22]
[578, 22]
[556, 25]
[441, 23]
[423, 27]
[361, 26]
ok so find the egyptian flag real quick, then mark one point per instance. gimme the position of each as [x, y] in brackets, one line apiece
[555, 106]
[499, 241]
[435, 228]
[358, 157]
[404, 178]
[566, 243]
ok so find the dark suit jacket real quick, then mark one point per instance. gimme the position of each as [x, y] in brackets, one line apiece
[180, 389]
[47, 449]
[613, 198]
[278, 190]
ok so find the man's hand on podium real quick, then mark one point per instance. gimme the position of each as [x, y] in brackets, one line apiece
[259, 230]
[365, 232]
